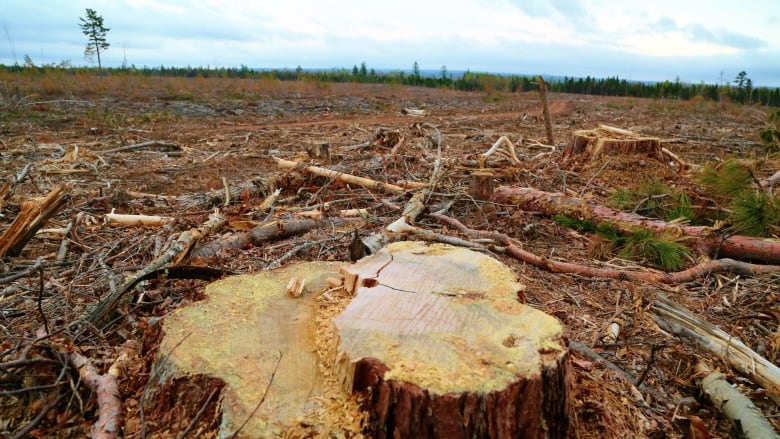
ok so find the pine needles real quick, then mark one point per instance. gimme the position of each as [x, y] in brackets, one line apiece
[754, 210]
[641, 245]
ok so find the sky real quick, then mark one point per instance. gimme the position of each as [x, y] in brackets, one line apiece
[646, 40]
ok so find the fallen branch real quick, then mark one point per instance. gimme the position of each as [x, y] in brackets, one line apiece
[178, 250]
[677, 320]
[346, 178]
[702, 239]
[109, 423]
[747, 420]
[167, 145]
[512, 248]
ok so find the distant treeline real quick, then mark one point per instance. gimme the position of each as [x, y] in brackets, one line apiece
[741, 91]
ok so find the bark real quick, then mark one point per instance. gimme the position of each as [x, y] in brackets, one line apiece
[109, 423]
[677, 320]
[699, 238]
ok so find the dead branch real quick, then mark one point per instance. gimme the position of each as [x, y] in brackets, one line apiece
[167, 146]
[109, 423]
[747, 420]
[174, 254]
[512, 248]
[117, 219]
[346, 178]
[702, 239]
[34, 214]
[679, 321]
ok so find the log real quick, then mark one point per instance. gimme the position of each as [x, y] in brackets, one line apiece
[438, 343]
[677, 320]
[699, 238]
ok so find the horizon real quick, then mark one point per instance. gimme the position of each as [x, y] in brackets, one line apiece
[693, 42]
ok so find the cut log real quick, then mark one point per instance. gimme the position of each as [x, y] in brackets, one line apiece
[701, 239]
[437, 341]
[587, 145]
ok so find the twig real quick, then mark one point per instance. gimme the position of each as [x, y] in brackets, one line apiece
[259, 403]
[40, 299]
[650, 362]
[590, 180]
[23, 432]
[30, 270]
[197, 415]
[143, 145]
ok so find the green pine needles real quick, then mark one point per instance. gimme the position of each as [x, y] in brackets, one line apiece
[754, 210]
[641, 245]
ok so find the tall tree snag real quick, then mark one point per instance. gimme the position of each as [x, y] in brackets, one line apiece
[437, 341]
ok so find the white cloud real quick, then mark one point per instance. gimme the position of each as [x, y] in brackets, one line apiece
[603, 37]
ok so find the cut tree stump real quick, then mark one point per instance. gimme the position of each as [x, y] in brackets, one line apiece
[253, 343]
[586, 145]
[437, 341]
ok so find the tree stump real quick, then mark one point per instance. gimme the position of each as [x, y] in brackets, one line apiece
[438, 342]
[254, 342]
[587, 145]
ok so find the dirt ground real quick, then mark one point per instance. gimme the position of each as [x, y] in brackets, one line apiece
[215, 134]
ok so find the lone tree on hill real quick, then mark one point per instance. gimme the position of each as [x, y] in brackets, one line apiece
[93, 28]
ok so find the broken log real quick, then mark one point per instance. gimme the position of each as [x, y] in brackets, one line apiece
[33, 215]
[675, 319]
[437, 341]
[699, 238]
[746, 419]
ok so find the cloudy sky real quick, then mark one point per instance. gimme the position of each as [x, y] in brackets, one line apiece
[634, 39]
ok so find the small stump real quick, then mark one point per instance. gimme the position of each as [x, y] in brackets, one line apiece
[436, 339]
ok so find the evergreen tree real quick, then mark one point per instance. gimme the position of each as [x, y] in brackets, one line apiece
[93, 28]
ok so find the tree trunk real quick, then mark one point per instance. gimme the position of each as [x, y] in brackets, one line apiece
[437, 341]
[701, 239]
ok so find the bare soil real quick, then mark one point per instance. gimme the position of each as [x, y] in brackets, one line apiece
[227, 133]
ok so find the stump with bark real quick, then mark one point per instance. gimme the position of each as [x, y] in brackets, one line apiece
[587, 145]
[440, 345]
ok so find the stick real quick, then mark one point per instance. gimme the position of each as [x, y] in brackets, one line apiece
[346, 178]
[143, 145]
